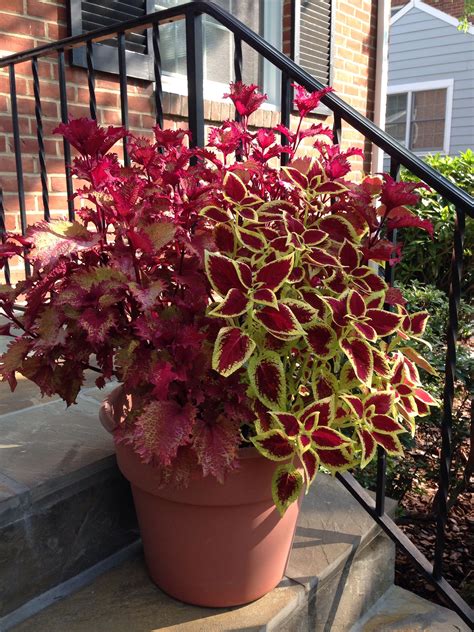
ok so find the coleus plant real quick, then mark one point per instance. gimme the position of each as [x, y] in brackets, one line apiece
[233, 297]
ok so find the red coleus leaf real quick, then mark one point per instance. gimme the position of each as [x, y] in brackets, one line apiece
[355, 404]
[265, 138]
[322, 258]
[384, 322]
[97, 324]
[246, 98]
[264, 296]
[339, 228]
[160, 429]
[381, 365]
[272, 275]
[322, 340]
[398, 193]
[368, 445]
[234, 304]
[306, 101]
[384, 423]
[381, 402]
[355, 304]
[334, 460]
[251, 240]
[321, 411]
[401, 217]
[215, 213]
[393, 296]
[274, 445]
[417, 324]
[224, 238]
[88, 137]
[280, 321]
[314, 236]
[288, 423]
[287, 484]
[232, 348]
[423, 396]
[267, 377]
[327, 438]
[305, 314]
[391, 443]
[234, 188]
[225, 274]
[360, 356]
[365, 331]
[310, 461]
[349, 255]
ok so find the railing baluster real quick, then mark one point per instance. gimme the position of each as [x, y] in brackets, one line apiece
[157, 69]
[18, 160]
[285, 111]
[123, 92]
[91, 79]
[448, 395]
[238, 77]
[3, 232]
[67, 148]
[39, 134]
[194, 62]
[337, 129]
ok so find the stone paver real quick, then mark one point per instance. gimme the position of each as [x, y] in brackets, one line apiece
[402, 611]
[125, 600]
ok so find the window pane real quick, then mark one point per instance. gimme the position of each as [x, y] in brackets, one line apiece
[428, 120]
[396, 119]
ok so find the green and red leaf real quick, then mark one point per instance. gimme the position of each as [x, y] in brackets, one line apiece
[225, 274]
[279, 321]
[287, 484]
[267, 377]
[274, 445]
[322, 339]
[232, 348]
[272, 275]
[234, 304]
[310, 461]
[384, 322]
[359, 354]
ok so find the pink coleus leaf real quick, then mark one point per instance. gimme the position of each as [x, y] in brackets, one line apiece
[272, 275]
[232, 348]
[267, 377]
[89, 138]
[160, 429]
[401, 217]
[216, 444]
[52, 240]
[224, 273]
[360, 356]
[246, 98]
[287, 484]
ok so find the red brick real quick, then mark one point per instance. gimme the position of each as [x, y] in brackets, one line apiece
[21, 25]
[14, 6]
[46, 11]
[56, 31]
[48, 108]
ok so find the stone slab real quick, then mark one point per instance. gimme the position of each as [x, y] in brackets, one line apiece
[331, 526]
[125, 600]
[46, 442]
[402, 611]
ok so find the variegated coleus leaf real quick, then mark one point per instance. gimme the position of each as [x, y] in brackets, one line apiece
[267, 377]
[272, 275]
[225, 274]
[287, 485]
[359, 354]
[52, 240]
[274, 445]
[280, 322]
[234, 304]
[231, 350]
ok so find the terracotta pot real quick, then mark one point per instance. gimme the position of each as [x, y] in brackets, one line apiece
[209, 544]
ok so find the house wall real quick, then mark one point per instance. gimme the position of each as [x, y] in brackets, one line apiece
[424, 48]
[451, 7]
[25, 24]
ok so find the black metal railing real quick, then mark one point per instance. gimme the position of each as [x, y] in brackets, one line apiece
[290, 72]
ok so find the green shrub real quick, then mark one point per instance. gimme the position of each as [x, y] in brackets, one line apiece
[429, 260]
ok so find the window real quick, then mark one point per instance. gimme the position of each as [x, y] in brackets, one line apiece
[313, 38]
[88, 15]
[262, 17]
[419, 115]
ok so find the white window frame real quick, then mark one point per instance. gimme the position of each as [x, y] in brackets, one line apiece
[175, 83]
[409, 89]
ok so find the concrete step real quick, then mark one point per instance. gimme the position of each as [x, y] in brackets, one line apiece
[340, 565]
[64, 506]
[399, 610]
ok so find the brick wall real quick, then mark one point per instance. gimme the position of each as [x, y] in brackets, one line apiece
[28, 23]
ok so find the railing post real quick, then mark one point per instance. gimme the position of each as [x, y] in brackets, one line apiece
[448, 395]
[91, 79]
[337, 129]
[157, 71]
[194, 62]
[39, 135]
[3, 236]
[285, 111]
[64, 119]
[123, 92]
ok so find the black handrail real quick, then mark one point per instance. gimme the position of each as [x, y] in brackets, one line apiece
[399, 156]
[347, 113]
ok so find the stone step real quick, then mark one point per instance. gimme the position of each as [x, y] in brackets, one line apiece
[340, 565]
[399, 610]
[64, 506]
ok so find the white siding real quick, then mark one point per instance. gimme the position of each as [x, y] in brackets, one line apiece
[425, 48]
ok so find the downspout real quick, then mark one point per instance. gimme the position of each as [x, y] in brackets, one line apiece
[381, 77]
